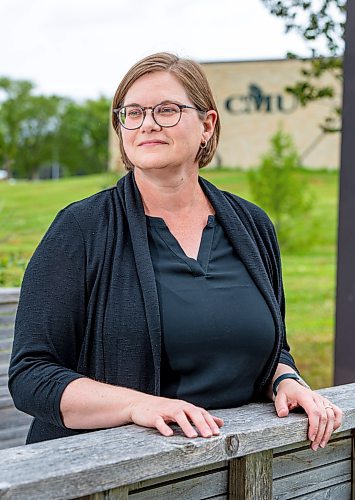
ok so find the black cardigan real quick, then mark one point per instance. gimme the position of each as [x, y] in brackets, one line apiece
[89, 305]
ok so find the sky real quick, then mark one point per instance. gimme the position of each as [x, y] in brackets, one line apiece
[82, 48]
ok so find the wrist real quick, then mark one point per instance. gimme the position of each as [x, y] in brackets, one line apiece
[287, 376]
[137, 398]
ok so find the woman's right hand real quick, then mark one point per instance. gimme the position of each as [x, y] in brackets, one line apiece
[157, 412]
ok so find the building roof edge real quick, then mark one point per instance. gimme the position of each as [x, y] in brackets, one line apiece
[229, 61]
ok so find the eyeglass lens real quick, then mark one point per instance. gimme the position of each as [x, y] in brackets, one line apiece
[165, 115]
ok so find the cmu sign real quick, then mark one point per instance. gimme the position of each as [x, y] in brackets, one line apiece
[256, 100]
[253, 103]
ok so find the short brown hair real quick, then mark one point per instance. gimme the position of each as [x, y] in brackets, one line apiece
[193, 79]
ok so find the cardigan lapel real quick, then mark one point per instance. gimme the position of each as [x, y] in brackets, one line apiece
[138, 231]
[238, 235]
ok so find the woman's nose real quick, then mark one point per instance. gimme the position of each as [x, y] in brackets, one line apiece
[149, 123]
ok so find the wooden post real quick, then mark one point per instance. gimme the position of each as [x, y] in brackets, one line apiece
[115, 494]
[250, 477]
[353, 466]
[345, 309]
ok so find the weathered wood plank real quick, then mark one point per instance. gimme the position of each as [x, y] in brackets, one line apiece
[5, 357]
[219, 466]
[7, 319]
[5, 394]
[3, 381]
[4, 368]
[337, 492]
[11, 417]
[353, 464]
[8, 308]
[4, 390]
[313, 480]
[13, 443]
[107, 459]
[18, 432]
[189, 488]
[250, 477]
[306, 459]
[15, 431]
[9, 295]
[302, 445]
[6, 340]
[5, 399]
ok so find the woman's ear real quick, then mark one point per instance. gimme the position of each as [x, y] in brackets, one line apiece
[209, 123]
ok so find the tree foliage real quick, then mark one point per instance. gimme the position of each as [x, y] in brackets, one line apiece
[39, 131]
[82, 139]
[321, 23]
[13, 112]
[278, 187]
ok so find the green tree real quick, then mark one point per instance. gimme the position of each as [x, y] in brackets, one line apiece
[82, 138]
[14, 95]
[37, 136]
[39, 131]
[28, 124]
[278, 187]
[97, 125]
[321, 23]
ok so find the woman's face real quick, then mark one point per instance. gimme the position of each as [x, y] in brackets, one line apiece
[155, 147]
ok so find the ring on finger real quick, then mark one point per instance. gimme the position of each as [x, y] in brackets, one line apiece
[328, 406]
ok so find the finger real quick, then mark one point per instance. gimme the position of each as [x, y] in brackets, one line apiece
[322, 423]
[281, 405]
[211, 422]
[328, 428]
[200, 421]
[313, 413]
[338, 417]
[162, 427]
[182, 420]
[219, 421]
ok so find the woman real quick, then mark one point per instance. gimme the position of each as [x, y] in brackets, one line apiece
[161, 298]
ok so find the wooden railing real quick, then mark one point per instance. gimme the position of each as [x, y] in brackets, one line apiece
[257, 456]
[13, 423]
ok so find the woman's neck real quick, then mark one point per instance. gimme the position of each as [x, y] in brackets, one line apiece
[174, 195]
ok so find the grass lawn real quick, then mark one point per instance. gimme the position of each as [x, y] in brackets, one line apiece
[27, 208]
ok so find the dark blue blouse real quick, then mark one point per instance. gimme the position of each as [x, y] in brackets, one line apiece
[218, 332]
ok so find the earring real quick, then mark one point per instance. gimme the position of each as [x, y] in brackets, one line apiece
[203, 145]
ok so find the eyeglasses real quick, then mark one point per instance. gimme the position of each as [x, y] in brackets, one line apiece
[167, 114]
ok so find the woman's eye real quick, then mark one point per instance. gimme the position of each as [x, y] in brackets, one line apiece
[134, 113]
[168, 109]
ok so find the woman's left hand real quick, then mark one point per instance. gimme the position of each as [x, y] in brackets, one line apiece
[324, 417]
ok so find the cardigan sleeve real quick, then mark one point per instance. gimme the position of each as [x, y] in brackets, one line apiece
[50, 321]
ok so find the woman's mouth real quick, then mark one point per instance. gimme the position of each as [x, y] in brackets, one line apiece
[151, 143]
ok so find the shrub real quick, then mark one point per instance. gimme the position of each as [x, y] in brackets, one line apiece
[279, 187]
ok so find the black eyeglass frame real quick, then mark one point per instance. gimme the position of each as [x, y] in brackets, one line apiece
[144, 108]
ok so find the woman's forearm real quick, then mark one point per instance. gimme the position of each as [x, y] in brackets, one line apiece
[88, 404]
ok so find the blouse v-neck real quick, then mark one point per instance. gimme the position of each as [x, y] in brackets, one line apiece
[199, 266]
